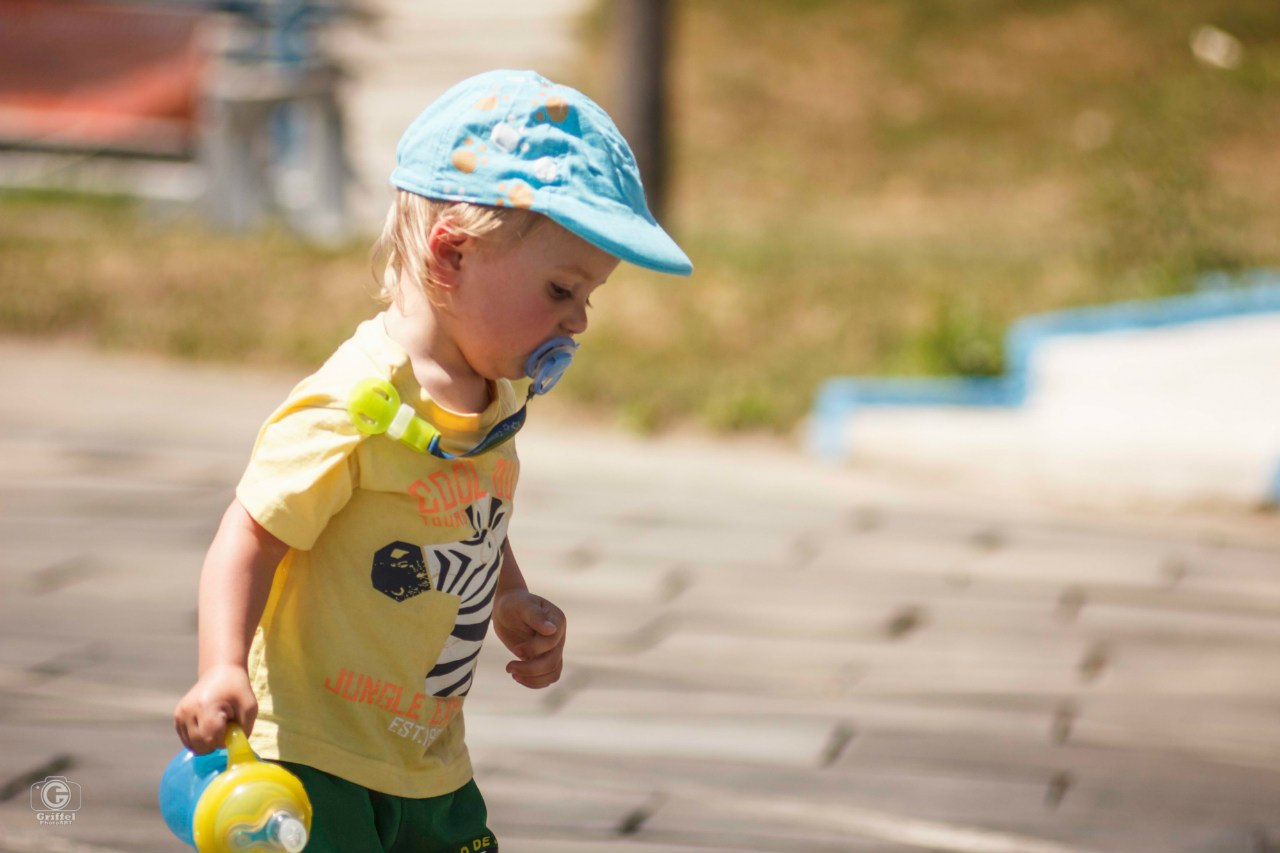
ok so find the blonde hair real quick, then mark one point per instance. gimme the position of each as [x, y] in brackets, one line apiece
[402, 249]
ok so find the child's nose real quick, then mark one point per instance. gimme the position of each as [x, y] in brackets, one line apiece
[575, 322]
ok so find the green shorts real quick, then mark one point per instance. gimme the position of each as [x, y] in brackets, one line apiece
[347, 818]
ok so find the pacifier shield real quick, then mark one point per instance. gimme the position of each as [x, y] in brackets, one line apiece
[549, 362]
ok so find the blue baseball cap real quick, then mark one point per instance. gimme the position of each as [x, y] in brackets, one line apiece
[515, 139]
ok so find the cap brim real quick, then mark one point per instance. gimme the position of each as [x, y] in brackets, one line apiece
[620, 232]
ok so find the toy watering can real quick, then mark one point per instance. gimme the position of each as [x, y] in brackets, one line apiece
[230, 801]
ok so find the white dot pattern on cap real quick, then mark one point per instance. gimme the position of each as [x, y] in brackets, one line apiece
[544, 168]
[505, 137]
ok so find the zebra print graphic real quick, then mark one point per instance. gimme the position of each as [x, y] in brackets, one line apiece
[469, 570]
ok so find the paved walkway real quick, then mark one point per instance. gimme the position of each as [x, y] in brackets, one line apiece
[765, 655]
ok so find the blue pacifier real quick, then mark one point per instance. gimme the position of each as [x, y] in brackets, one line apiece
[548, 363]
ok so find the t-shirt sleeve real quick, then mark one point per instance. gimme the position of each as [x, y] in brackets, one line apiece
[302, 470]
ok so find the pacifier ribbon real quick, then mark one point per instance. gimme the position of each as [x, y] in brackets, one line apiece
[375, 407]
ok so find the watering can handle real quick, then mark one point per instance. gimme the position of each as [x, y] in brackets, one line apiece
[238, 749]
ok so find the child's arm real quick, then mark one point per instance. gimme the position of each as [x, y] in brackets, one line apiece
[234, 585]
[529, 625]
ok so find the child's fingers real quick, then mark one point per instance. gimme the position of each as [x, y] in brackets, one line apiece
[544, 663]
[552, 622]
[538, 672]
[196, 725]
[539, 645]
[203, 730]
[540, 627]
[203, 733]
[543, 617]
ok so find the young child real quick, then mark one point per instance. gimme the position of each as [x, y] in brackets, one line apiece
[352, 580]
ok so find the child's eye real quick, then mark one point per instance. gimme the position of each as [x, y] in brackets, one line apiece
[559, 292]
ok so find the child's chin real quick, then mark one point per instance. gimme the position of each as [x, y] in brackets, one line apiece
[494, 372]
[513, 374]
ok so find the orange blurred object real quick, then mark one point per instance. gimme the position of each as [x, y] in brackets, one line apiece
[92, 76]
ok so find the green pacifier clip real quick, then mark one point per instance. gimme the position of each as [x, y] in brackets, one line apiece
[375, 408]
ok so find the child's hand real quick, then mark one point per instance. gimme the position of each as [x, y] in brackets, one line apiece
[223, 694]
[534, 630]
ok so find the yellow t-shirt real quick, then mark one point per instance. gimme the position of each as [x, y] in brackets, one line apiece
[367, 646]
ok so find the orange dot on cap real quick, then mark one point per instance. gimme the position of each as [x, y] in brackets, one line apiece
[520, 194]
[557, 108]
[464, 161]
[487, 103]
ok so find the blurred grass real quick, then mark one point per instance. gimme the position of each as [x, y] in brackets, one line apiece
[108, 272]
[883, 186]
[865, 187]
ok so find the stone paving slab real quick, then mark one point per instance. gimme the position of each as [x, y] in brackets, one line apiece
[764, 655]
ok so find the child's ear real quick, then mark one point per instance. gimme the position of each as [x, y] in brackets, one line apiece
[446, 246]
